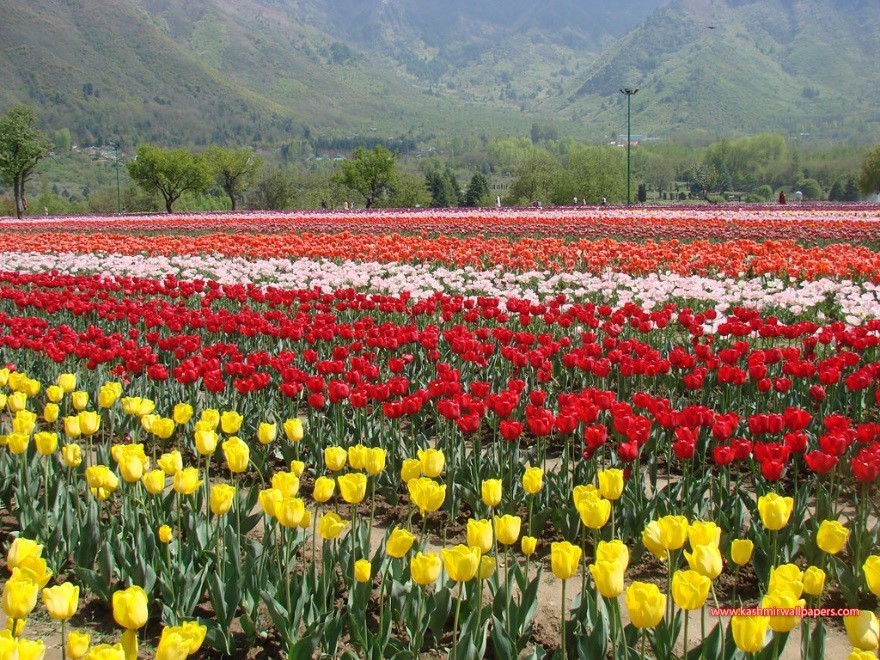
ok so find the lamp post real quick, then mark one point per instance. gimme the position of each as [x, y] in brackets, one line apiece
[118, 201]
[629, 94]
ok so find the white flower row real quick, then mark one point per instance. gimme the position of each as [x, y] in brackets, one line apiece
[856, 301]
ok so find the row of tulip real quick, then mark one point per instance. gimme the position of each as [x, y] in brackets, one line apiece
[521, 254]
[816, 299]
[809, 224]
[192, 510]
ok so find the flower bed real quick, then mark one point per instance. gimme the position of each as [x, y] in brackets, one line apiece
[223, 414]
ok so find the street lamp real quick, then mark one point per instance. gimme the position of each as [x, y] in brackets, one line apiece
[115, 146]
[629, 94]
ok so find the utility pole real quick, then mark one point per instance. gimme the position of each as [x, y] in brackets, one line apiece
[118, 200]
[629, 94]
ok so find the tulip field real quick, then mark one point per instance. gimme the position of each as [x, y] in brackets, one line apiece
[383, 434]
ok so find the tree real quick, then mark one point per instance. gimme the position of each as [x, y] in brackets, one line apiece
[171, 172]
[869, 181]
[274, 190]
[408, 191]
[22, 146]
[442, 193]
[809, 188]
[536, 177]
[851, 191]
[477, 192]
[234, 170]
[706, 180]
[370, 173]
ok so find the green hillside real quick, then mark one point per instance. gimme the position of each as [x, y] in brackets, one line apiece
[270, 71]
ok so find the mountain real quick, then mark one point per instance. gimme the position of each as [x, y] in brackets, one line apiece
[268, 71]
[743, 66]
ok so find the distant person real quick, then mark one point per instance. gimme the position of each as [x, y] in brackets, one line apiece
[782, 197]
[574, 201]
[323, 203]
[497, 201]
[604, 201]
[798, 196]
[346, 206]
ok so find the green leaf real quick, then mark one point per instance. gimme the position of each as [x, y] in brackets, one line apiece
[503, 646]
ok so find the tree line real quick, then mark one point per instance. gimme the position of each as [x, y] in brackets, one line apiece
[545, 169]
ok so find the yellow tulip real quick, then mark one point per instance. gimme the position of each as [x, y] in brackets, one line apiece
[673, 531]
[206, 441]
[16, 401]
[186, 481]
[831, 537]
[130, 607]
[564, 559]
[507, 529]
[19, 595]
[46, 442]
[432, 462]
[24, 422]
[324, 489]
[594, 512]
[362, 570]
[54, 393]
[32, 387]
[101, 476]
[582, 493]
[77, 644]
[237, 454]
[411, 469]
[287, 483]
[222, 497]
[645, 604]
[749, 632]
[211, 418]
[297, 468]
[863, 631]
[172, 646]
[106, 652]
[704, 533]
[690, 589]
[357, 456]
[67, 382]
[611, 483]
[290, 511]
[353, 487]
[154, 482]
[533, 480]
[269, 499]
[131, 468]
[50, 413]
[334, 458]
[786, 577]
[375, 461]
[4, 376]
[331, 525]
[18, 443]
[490, 489]
[741, 551]
[775, 510]
[461, 562]
[71, 427]
[162, 427]
[147, 422]
[293, 429]
[79, 400]
[306, 521]
[182, 413]
[61, 601]
[527, 544]
[426, 494]
[35, 569]
[479, 534]
[614, 550]
[165, 534]
[871, 569]
[608, 576]
[230, 421]
[21, 549]
[399, 543]
[425, 568]
[814, 581]
[486, 568]
[705, 560]
[108, 395]
[193, 633]
[89, 422]
[29, 649]
[72, 455]
[858, 654]
[171, 462]
[782, 600]
[266, 433]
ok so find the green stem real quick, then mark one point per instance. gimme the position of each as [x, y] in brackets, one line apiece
[686, 618]
[63, 642]
[455, 621]
[644, 634]
[562, 621]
